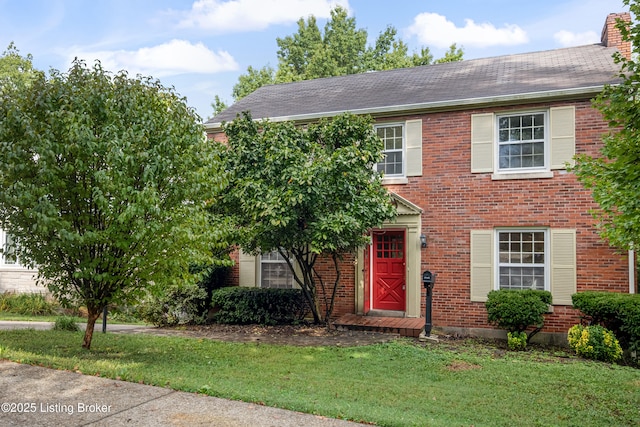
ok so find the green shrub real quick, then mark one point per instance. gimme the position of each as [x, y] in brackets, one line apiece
[517, 340]
[517, 310]
[177, 305]
[620, 313]
[65, 323]
[237, 305]
[594, 342]
[4, 302]
[27, 304]
[123, 314]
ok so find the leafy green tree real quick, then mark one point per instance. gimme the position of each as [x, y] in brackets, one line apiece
[340, 50]
[305, 192]
[388, 53]
[103, 181]
[251, 81]
[454, 54]
[16, 71]
[218, 105]
[614, 176]
[308, 54]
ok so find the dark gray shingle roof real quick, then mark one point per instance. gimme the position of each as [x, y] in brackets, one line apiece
[546, 73]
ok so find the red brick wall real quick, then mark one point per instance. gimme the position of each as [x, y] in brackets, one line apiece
[345, 295]
[456, 201]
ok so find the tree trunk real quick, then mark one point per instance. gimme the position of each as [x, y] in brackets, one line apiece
[92, 316]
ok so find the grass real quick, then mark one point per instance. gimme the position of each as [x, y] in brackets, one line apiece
[393, 384]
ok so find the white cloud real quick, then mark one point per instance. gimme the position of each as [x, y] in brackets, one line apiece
[172, 58]
[249, 15]
[435, 30]
[567, 38]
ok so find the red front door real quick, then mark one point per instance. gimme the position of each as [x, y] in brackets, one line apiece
[389, 279]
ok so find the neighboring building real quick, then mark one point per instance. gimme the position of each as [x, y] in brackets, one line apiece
[476, 155]
[14, 277]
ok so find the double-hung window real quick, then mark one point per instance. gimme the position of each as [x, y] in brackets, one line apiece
[8, 254]
[522, 142]
[392, 165]
[522, 259]
[274, 271]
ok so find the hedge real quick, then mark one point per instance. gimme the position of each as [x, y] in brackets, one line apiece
[517, 310]
[239, 305]
[617, 312]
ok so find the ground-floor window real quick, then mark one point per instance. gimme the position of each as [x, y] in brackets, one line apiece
[522, 259]
[275, 272]
[8, 253]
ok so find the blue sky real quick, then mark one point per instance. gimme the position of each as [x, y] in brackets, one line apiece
[200, 47]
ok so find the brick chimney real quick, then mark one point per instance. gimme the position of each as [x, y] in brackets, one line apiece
[611, 36]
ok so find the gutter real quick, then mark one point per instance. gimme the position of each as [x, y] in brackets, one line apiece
[455, 104]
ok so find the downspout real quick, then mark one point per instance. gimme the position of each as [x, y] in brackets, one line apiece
[632, 272]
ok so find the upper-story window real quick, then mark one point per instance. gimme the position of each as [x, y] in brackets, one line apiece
[522, 141]
[393, 139]
[523, 144]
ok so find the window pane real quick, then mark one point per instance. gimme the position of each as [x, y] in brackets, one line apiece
[521, 260]
[274, 271]
[521, 141]
[9, 250]
[392, 139]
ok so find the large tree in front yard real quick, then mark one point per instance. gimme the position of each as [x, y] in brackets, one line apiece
[103, 183]
[306, 192]
[614, 177]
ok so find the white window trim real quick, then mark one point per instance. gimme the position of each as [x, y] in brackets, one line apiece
[522, 173]
[547, 252]
[395, 178]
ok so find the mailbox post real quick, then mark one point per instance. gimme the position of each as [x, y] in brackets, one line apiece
[429, 281]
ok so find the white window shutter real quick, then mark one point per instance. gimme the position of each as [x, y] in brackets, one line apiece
[481, 264]
[482, 141]
[563, 266]
[414, 147]
[563, 136]
[247, 269]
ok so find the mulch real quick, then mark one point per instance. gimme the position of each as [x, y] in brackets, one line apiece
[295, 335]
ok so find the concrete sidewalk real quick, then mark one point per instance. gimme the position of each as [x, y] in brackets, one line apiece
[35, 396]
[11, 324]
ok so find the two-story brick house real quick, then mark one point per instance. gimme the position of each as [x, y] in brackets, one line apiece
[476, 154]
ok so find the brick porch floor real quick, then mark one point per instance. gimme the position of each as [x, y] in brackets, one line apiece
[404, 326]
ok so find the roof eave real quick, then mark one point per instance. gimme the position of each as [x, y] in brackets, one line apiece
[438, 105]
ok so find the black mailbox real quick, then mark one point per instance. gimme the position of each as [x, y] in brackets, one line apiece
[428, 279]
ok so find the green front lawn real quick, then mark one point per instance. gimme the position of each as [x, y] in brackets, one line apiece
[396, 384]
